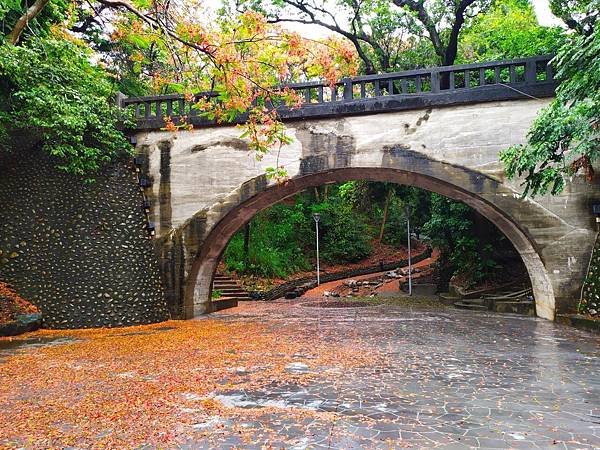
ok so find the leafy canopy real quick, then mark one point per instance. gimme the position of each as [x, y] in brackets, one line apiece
[50, 88]
[565, 137]
[509, 30]
[62, 63]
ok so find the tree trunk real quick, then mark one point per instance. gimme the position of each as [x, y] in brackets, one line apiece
[29, 15]
[445, 272]
[317, 196]
[388, 198]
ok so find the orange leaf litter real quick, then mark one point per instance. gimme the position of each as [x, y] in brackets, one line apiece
[127, 387]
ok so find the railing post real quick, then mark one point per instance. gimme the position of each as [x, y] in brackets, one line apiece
[119, 99]
[347, 89]
[530, 71]
[435, 81]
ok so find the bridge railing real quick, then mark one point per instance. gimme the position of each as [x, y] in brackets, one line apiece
[450, 83]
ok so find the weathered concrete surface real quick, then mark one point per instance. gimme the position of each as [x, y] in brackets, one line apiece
[206, 184]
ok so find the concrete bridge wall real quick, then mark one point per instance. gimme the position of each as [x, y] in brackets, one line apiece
[206, 184]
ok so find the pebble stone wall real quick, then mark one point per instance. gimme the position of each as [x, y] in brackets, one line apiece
[590, 302]
[80, 252]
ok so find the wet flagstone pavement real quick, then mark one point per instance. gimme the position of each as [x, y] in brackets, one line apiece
[447, 379]
[454, 379]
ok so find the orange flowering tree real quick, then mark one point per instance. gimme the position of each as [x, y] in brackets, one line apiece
[245, 60]
[166, 46]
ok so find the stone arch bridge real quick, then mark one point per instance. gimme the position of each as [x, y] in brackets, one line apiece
[203, 185]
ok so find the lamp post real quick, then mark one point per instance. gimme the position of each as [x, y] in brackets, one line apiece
[317, 217]
[596, 212]
[409, 259]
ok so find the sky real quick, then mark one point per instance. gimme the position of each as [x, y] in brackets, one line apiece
[542, 10]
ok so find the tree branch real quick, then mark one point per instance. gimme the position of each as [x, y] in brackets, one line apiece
[418, 6]
[313, 20]
[156, 24]
[459, 20]
[14, 36]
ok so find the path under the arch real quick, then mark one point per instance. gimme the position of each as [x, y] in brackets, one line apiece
[288, 375]
[391, 286]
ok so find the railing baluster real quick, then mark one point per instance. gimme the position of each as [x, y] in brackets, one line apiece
[363, 93]
[159, 109]
[482, 77]
[404, 85]
[169, 108]
[181, 103]
[348, 94]
[513, 73]
[418, 84]
[320, 94]
[452, 84]
[497, 74]
[192, 110]
[467, 74]
[390, 87]
[307, 95]
[147, 109]
[377, 88]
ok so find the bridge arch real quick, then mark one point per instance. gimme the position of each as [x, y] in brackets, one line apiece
[484, 194]
[204, 185]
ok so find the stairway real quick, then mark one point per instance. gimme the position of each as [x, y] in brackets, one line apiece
[231, 292]
[474, 304]
[518, 301]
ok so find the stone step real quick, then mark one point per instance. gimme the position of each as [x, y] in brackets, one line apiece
[237, 297]
[471, 306]
[231, 292]
[474, 301]
[447, 299]
[224, 303]
[515, 307]
[229, 289]
[224, 285]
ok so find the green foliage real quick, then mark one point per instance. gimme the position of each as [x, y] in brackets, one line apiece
[51, 90]
[277, 238]
[395, 232]
[344, 233]
[55, 11]
[509, 30]
[216, 293]
[565, 137]
[451, 229]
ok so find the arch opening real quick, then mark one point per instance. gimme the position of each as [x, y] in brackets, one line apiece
[197, 299]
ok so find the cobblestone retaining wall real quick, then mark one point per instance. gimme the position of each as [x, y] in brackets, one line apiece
[590, 301]
[78, 251]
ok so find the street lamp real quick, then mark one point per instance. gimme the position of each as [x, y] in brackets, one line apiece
[409, 259]
[317, 217]
[596, 212]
